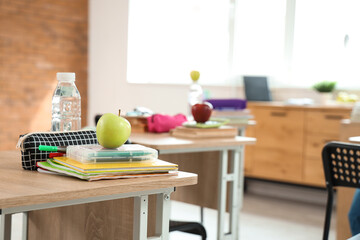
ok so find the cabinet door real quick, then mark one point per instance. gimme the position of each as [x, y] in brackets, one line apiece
[325, 121]
[279, 148]
[313, 167]
[315, 142]
[322, 126]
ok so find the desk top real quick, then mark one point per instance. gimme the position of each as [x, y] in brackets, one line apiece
[20, 187]
[336, 106]
[163, 141]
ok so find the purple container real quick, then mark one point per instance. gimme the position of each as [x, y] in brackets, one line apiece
[233, 104]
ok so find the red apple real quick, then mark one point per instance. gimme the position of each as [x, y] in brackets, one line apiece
[201, 111]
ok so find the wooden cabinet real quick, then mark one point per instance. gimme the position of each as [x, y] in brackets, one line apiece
[290, 140]
[278, 153]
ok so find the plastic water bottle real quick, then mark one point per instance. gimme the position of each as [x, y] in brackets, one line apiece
[66, 104]
[195, 91]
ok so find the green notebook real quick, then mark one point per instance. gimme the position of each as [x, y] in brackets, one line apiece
[54, 167]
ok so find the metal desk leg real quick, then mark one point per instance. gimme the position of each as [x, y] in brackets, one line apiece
[162, 215]
[24, 226]
[202, 214]
[140, 217]
[241, 176]
[234, 196]
[5, 226]
[222, 193]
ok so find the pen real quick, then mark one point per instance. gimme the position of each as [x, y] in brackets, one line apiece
[57, 154]
[52, 148]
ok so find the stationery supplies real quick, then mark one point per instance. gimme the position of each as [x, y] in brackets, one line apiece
[29, 144]
[234, 117]
[228, 103]
[52, 148]
[98, 154]
[205, 133]
[129, 167]
[51, 166]
[93, 162]
[164, 123]
[212, 123]
[57, 154]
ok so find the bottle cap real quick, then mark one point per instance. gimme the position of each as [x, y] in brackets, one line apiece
[65, 76]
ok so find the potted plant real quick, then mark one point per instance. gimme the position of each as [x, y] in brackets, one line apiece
[325, 88]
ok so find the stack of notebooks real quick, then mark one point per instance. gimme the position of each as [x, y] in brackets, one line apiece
[234, 116]
[92, 162]
[204, 133]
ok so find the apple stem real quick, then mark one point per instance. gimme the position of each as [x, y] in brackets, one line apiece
[119, 112]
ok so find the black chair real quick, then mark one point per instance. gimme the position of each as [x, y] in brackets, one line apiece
[341, 163]
[188, 227]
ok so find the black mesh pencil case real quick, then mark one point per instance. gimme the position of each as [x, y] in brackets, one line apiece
[30, 142]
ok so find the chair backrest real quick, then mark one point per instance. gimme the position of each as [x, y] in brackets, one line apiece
[256, 88]
[341, 164]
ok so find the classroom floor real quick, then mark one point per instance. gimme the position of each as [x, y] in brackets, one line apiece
[270, 211]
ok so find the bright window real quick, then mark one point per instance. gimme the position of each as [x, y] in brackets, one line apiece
[259, 37]
[295, 42]
[168, 39]
[326, 42]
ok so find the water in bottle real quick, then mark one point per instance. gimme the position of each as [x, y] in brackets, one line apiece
[195, 91]
[66, 104]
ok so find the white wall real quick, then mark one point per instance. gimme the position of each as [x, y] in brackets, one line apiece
[108, 89]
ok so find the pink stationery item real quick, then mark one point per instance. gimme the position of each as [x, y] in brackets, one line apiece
[164, 123]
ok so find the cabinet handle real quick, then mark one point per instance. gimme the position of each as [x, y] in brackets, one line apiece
[278, 114]
[334, 117]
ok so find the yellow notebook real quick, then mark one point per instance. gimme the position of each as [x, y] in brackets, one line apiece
[149, 165]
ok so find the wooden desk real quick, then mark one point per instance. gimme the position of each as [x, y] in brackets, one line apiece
[166, 144]
[24, 191]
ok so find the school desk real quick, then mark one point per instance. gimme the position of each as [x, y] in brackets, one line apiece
[31, 192]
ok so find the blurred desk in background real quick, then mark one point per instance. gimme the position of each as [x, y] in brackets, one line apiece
[209, 159]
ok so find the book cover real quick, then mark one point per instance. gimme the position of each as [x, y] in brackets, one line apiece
[149, 165]
[54, 168]
[221, 132]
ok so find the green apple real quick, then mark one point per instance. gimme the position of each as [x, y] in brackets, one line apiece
[194, 75]
[112, 131]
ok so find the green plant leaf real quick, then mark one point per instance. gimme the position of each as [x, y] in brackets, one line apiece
[324, 86]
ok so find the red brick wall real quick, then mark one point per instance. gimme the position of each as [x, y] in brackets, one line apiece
[38, 38]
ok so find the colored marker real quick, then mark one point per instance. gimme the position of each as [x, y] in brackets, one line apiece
[52, 148]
